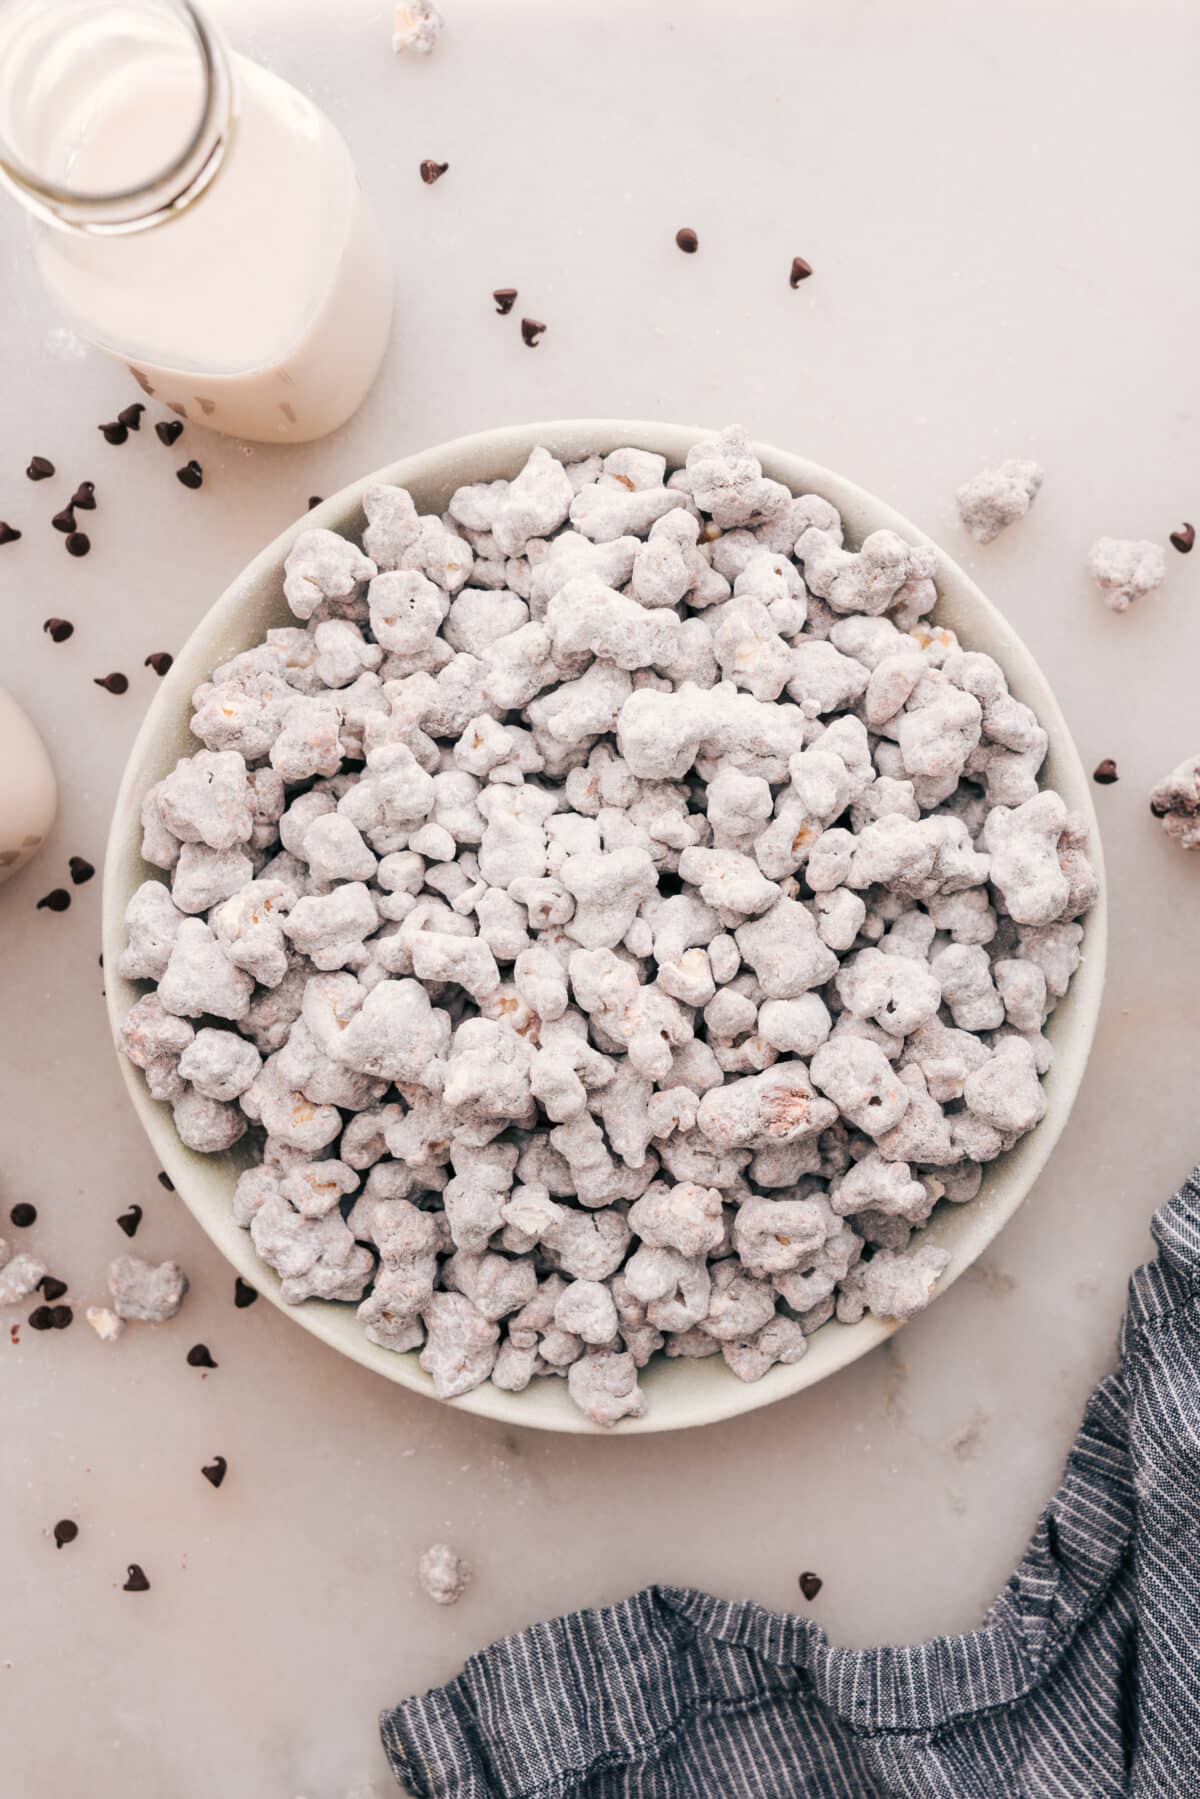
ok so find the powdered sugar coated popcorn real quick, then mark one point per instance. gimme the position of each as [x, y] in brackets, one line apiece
[614, 916]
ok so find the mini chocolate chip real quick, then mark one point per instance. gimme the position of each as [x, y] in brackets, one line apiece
[114, 433]
[164, 1180]
[40, 469]
[81, 870]
[1184, 538]
[315, 499]
[65, 1531]
[1105, 773]
[433, 171]
[59, 628]
[801, 271]
[61, 1317]
[8, 533]
[65, 520]
[810, 1584]
[23, 1215]
[78, 543]
[191, 474]
[214, 1471]
[130, 1220]
[168, 431]
[131, 416]
[57, 900]
[687, 240]
[114, 683]
[14, 1333]
[505, 298]
[136, 1582]
[41, 1319]
[1159, 808]
[85, 496]
[243, 1293]
[531, 330]
[200, 1356]
[52, 1288]
[160, 661]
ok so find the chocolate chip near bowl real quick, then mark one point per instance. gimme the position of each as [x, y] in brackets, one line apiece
[693, 865]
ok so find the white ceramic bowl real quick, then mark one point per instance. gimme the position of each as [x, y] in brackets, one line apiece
[680, 1393]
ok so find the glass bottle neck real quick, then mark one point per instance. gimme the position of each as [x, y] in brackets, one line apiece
[66, 64]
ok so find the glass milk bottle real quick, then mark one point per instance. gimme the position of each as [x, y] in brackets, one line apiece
[194, 216]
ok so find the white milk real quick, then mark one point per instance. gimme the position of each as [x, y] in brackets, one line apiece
[263, 308]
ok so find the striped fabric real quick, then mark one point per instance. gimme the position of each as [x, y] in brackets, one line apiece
[1082, 1682]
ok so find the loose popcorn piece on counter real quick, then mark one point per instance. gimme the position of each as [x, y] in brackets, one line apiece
[19, 1278]
[144, 1292]
[997, 497]
[108, 1325]
[417, 26]
[1126, 569]
[1176, 801]
[443, 1574]
[613, 916]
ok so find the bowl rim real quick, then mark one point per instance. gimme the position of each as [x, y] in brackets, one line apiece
[681, 1395]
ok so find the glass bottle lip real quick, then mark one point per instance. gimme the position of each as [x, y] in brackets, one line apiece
[164, 193]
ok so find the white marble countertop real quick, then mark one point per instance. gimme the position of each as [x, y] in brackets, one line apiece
[998, 210]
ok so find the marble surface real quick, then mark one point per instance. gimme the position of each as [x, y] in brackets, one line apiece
[996, 209]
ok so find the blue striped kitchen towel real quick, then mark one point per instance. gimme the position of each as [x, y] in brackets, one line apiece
[1082, 1682]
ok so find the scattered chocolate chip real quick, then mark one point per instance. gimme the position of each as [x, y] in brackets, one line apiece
[41, 1318]
[243, 1293]
[8, 533]
[1105, 773]
[505, 298]
[1159, 808]
[531, 330]
[65, 520]
[214, 1472]
[59, 628]
[85, 496]
[23, 1215]
[130, 1220]
[114, 433]
[315, 499]
[810, 1584]
[40, 469]
[65, 1531]
[160, 661]
[14, 1333]
[52, 1288]
[78, 543]
[81, 870]
[1184, 538]
[57, 900]
[115, 683]
[164, 1180]
[433, 171]
[200, 1356]
[131, 416]
[137, 1582]
[191, 474]
[687, 240]
[801, 271]
[168, 431]
[61, 1317]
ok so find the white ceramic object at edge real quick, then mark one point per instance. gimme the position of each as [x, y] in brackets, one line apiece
[679, 1393]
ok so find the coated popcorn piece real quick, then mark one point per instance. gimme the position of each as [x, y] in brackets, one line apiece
[885, 572]
[739, 1305]
[535, 504]
[324, 569]
[781, 1340]
[773, 1236]
[307, 742]
[892, 1286]
[785, 950]
[151, 922]
[240, 708]
[587, 1311]
[897, 992]
[778, 1106]
[725, 480]
[143, 1292]
[685, 1217]
[1126, 569]
[316, 1258]
[330, 928]
[1025, 871]
[876, 1185]
[19, 1277]
[417, 25]
[219, 1064]
[205, 799]
[1005, 1091]
[206, 1125]
[861, 1083]
[460, 1345]
[1176, 801]
[997, 497]
[203, 877]
[605, 1387]
[405, 611]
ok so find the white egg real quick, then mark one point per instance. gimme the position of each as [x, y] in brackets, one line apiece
[28, 790]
